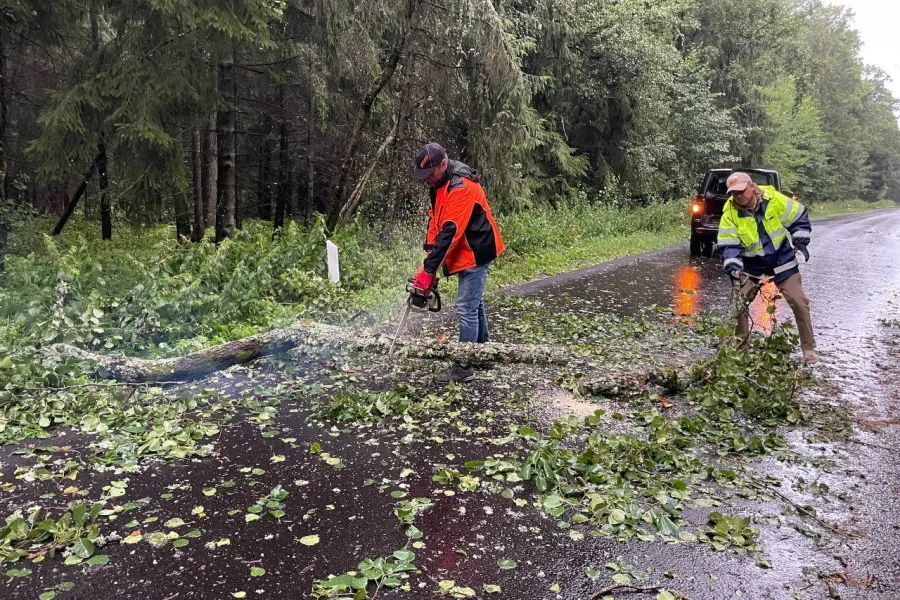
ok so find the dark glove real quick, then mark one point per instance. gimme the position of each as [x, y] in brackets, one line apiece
[801, 248]
[423, 280]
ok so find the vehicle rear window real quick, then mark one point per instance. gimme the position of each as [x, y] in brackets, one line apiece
[718, 186]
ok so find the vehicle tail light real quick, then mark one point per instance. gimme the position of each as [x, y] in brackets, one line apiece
[696, 207]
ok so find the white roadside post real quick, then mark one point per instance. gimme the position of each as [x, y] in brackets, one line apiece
[334, 267]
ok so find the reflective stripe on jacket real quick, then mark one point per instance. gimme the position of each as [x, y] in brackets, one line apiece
[462, 232]
[762, 243]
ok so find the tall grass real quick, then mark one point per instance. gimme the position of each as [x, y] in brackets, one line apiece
[143, 292]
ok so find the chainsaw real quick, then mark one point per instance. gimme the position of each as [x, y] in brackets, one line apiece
[420, 300]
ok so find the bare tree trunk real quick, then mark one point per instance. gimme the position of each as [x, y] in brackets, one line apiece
[226, 203]
[70, 208]
[264, 181]
[57, 197]
[4, 232]
[310, 206]
[285, 190]
[4, 151]
[182, 216]
[197, 172]
[4, 129]
[354, 199]
[311, 337]
[103, 180]
[390, 205]
[102, 162]
[337, 200]
[210, 174]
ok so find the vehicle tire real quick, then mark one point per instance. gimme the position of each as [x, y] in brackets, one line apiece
[696, 244]
[707, 249]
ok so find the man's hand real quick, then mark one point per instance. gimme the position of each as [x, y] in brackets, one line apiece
[801, 248]
[738, 275]
[423, 280]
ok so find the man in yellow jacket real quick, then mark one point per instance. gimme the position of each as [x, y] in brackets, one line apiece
[760, 233]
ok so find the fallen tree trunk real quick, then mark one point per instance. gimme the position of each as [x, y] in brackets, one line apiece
[672, 380]
[307, 336]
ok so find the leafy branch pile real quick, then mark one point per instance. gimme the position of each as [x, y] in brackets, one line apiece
[29, 535]
[637, 484]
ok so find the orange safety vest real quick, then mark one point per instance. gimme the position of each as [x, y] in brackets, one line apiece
[462, 233]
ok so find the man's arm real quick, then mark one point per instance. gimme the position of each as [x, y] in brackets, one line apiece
[800, 228]
[430, 232]
[730, 244]
[456, 212]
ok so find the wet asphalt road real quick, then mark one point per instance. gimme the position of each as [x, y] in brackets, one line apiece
[852, 282]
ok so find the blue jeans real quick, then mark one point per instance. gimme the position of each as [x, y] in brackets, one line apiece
[469, 305]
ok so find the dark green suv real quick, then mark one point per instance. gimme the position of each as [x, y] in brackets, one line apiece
[707, 205]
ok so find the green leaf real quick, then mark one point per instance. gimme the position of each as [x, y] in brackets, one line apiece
[239, 594]
[309, 540]
[47, 596]
[98, 559]
[83, 548]
[621, 579]
[257, 572]
[413, 532]
[665, 595]
[405, 555]
[210, 491]
[617, 516]
[157, 539]
[180, 543]
[664, 524]
[553, 501]
[506, 563]
[19, 572]
[173, 523]
[490, 588]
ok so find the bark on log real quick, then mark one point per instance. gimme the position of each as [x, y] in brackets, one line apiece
[614, 384]
[308, 336]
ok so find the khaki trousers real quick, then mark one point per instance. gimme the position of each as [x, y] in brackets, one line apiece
[792, 291]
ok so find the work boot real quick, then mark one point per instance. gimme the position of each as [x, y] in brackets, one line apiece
[810, 357]
[457, 373]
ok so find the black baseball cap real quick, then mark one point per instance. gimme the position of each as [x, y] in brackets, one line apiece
[428, 158]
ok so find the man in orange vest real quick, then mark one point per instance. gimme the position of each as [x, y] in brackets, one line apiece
[463, 237]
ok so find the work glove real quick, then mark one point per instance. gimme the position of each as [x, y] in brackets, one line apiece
[738, 276]
[801, 248]
[423, 280]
